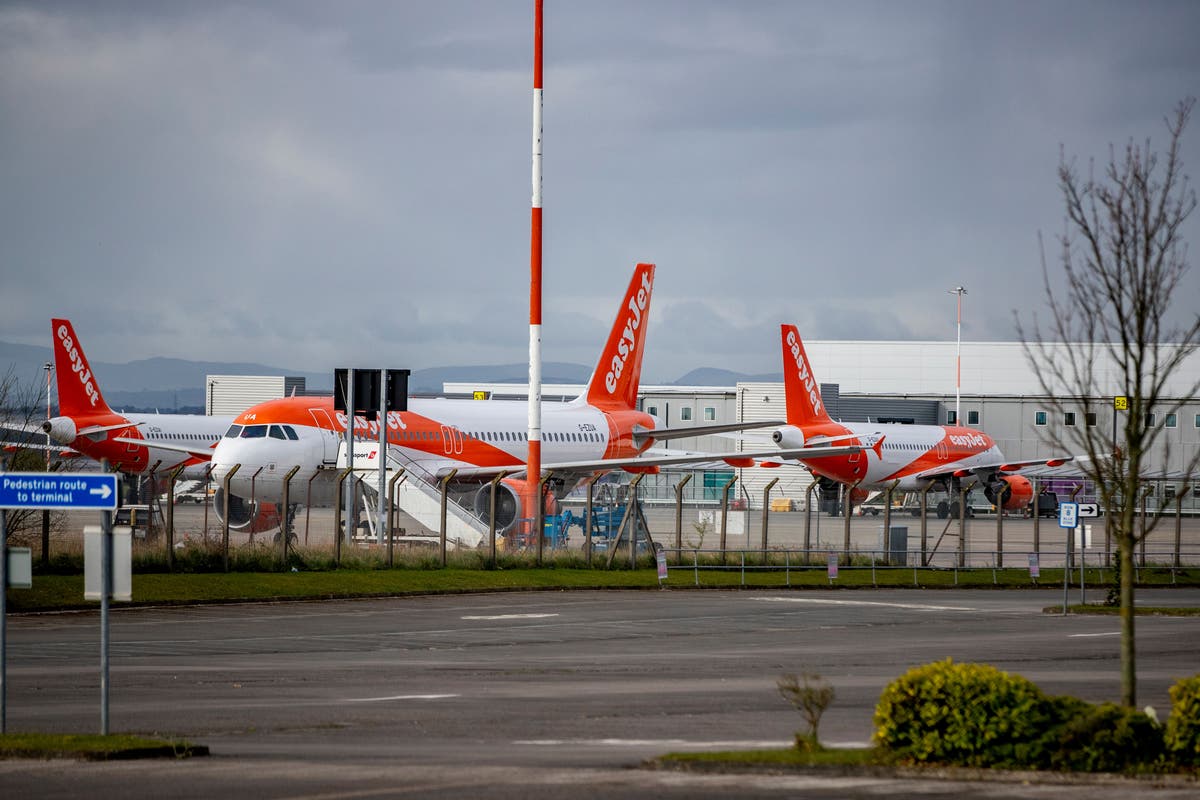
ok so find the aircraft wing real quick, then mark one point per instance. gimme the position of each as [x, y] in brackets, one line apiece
[994, 467]
[641, 463]
[666, 434]
[201, 453]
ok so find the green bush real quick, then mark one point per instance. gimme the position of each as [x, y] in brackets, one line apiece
[1107, 738]
[1182, 734]
[969, 714]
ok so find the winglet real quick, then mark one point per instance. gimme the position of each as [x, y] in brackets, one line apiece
[801, 392]
[78, 389]
[614, 382]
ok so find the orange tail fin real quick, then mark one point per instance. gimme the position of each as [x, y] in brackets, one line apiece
[78, 389]
[800, 388]
[614, 383]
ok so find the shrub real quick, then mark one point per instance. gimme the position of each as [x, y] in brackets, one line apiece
[809, 694]
[1107, 738]
[1182, 734]
[969, 714]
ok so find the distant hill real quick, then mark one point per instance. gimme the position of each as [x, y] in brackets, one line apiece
[176, 384]
[711, 376]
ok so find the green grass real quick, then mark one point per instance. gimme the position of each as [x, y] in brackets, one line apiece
[56, 591]
[1113, 611]
[791, 757]
[93, 747]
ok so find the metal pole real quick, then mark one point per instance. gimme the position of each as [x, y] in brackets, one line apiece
[349, 436]
[285, 522]
[679, 513]
[725, 513]
[533, 460]
[337, 518]
[808, 493]
[308, 504]
[382, 419]
[225, 517]
[925, 525]
[171, 517]
[1037, 515]
[442, 532]
[960, 291]
[105, 591]
[492, 514]
[846, 509]
[539, 519]
[765, 508]
[1001, 497]
[962, 525]
[631, 512]
[391, 512]
[3, 612]
[1183, 489]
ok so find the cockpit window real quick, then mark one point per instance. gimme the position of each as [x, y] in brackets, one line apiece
[233, 432]
[291, 432]
[277, 432]
[254, 432]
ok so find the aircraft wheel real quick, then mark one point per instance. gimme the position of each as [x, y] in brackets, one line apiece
[943, 509]
[954, 509]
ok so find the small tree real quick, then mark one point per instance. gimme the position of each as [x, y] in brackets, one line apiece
[1123, 261]
[810, 695]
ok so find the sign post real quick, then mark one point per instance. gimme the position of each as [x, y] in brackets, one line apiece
[1068, 519]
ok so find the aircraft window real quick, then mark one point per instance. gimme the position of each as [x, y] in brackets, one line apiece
[276, 432]
[291, 433]
[234, 432]
[254, 432]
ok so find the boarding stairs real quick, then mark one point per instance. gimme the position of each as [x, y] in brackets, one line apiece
[417, 494]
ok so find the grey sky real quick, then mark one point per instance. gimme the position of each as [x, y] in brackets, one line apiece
[310, 184]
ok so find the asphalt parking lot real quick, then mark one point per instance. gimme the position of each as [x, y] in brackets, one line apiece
[502, 695]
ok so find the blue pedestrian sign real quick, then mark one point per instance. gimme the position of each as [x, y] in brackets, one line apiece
[53, 490]
[1068, 515]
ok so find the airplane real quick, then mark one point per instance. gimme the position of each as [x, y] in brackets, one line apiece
[132, 443]
[913, 458]
[600, 430]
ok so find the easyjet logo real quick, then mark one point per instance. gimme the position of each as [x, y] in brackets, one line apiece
[637, 305]
[973, 440]
[78, 365]
[802, 371]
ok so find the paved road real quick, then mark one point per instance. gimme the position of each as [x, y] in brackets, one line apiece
[504, 695]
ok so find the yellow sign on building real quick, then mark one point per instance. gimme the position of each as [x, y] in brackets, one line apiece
[478, 395]
[1121, 403]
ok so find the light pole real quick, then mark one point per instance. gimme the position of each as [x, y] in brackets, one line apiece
[960, 291]
[48, 366]
[211, 384]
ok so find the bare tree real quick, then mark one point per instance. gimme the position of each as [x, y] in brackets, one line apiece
[19, 406]
[1123, 260]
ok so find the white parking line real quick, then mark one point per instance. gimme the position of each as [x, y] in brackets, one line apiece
[509, 616]
[399, 697]
[1092, 635]
[726, 744]
[825, 602]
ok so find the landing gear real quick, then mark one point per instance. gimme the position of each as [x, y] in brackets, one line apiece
[943, 509]
[288, 524]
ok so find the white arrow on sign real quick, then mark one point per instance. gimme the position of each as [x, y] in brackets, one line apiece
[1089, 510]
[104, 491]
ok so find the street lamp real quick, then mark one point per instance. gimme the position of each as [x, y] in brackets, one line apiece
[211, 384]
[960, 291]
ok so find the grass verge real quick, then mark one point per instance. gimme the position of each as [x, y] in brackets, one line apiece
[1115, 611]
[94, 747]
[55, 592]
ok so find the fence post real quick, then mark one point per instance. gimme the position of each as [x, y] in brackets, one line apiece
[925, 525]
[225, 517]
[766, 506]
[286, 520]
[540, 517]
[847, 491]
[1183, 489]
[679, 513]
[808, 493]
[725, 513]
[587, 518]
[170, 537]
[337, 517]
[391, 512]
[442, 528]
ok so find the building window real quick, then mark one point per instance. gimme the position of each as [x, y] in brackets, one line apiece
[1150, 420]
[652, 410]
[1069, 419]
[1198, 426]
[972, 417]
[710, 413]
[1091, 419]
[1171, 420]
[951, 417]
[1039, 418]
[685, 413]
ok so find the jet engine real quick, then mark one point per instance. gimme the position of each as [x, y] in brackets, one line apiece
[788, 438]
[510, 506]
[245, 515]
[61, 429]
[1010, 492]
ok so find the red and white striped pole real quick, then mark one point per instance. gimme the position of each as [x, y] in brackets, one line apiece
[534, 460]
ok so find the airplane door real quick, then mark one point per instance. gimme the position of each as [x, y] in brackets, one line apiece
[329, 437]
[452, 441]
